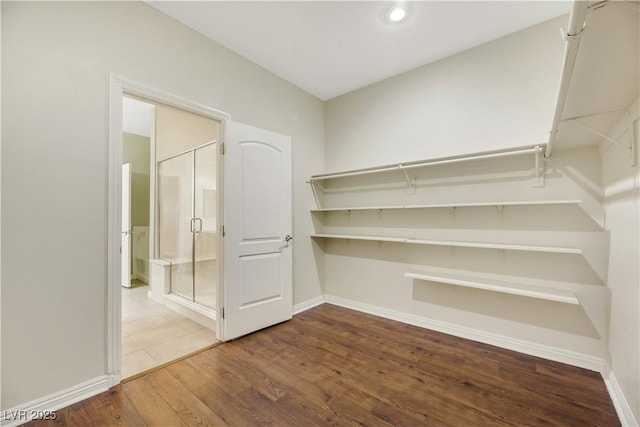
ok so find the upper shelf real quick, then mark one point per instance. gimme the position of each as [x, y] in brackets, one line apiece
[485, 155]
[454, 205]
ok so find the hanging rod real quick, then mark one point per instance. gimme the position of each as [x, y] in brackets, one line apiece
[434, 162]
[572, 42]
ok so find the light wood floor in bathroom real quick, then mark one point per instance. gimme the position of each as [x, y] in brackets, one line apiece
[153, 335]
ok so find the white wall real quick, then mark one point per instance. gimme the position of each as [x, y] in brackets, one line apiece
[622, 199]
[57, 57]
[495, 96]
[501, 94]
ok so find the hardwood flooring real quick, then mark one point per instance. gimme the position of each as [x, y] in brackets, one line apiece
[333, 366]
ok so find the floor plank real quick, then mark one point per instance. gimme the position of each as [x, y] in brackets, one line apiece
[333, 366]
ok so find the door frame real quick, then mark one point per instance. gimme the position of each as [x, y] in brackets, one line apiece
[118, 87]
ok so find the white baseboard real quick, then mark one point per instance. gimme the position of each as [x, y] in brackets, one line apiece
[551, 353]
[46, 405]
[627, 419]
[306, 305]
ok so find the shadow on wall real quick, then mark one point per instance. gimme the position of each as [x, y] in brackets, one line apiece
[535, 266]
[557, 316]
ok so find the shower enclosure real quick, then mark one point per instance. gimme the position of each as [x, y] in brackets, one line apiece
[187, 233]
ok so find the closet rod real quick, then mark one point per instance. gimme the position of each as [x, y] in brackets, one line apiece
[572, 42]
[435, 162]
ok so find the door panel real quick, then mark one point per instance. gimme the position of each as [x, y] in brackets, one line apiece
[258, 258]
[261, 278]
[259, 160]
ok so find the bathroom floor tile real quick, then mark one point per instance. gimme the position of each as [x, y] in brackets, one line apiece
[130, 345]
[136, 362]
[177, 347]
[153, 334]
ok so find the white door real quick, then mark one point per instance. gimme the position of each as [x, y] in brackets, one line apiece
[125, 246]
[257, 210]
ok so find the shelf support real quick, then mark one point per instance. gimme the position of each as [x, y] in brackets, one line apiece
[315, 193]
[411, 188]
[631, 147]
[539, 167]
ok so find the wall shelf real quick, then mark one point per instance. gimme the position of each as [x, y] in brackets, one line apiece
[361, 237]
[414, 241]
[454, 205]
[557, 295]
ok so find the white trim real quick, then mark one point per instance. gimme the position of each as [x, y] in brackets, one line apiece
[551, 353]
[308, 304]
[118, 86]
[55, 401]
[623, 408]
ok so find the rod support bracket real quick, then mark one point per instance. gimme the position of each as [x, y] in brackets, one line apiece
[411, 188]
[539, 167]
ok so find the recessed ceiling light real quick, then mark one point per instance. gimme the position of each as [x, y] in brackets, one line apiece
[397, 14]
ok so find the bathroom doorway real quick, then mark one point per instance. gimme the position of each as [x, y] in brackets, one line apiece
[169, 234]
[253, 262]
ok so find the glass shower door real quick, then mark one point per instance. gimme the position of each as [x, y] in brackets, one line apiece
[175, 198]
[205, 206]
[187, 222]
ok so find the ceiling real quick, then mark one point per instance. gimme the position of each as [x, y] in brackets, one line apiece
[331, 48]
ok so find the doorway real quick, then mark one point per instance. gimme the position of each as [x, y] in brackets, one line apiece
[255, 257]
[169, 233]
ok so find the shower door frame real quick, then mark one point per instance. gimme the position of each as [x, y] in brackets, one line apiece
[157, 200]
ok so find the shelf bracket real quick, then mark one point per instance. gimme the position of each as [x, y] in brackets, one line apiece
[631, 146]
[315, 193]
[411, 188]
[539, 167]
[500, 209]
[452, 211]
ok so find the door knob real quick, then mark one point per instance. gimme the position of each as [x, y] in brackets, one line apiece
[288, 237]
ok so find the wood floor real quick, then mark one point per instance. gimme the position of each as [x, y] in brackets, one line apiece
[333, 366]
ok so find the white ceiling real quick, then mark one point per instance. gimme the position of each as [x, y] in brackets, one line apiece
[331, 48]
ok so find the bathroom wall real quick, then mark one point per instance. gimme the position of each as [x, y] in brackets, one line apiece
[136, 150]
[178, 131]
[56, 62]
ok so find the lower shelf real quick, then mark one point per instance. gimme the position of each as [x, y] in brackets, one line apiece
[530, 291]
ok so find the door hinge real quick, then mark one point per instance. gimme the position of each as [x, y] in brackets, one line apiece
[223, 312]
[222, 230]
[223, 148]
